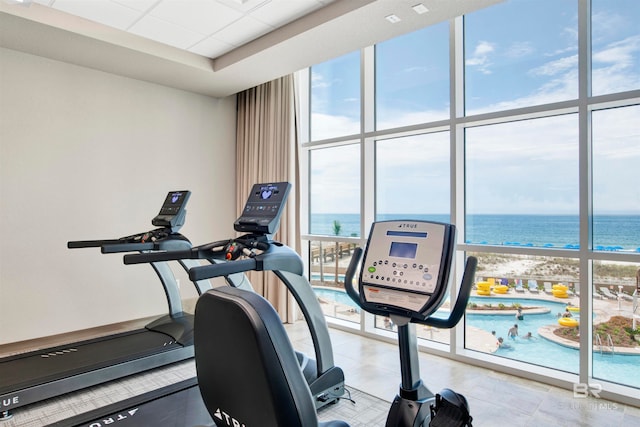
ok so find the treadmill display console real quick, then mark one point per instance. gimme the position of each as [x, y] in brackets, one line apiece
[404, 265]
[261, 213]
[173, 209]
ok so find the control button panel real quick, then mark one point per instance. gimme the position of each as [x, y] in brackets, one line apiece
[401, 274]
[407, 255]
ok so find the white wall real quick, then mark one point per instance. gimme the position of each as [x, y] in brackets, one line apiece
[90, 155]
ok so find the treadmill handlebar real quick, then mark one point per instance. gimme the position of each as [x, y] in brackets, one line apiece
[458, 309]
[224, 269]
[206, 251]
[112, 248]
[160, 256]
[77, 244]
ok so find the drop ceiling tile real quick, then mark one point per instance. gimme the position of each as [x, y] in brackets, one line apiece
[242, 31]
[201, 16]
[244, 5]
[102, 11]
[140, 5]
[211, 47]
[279, 12]
[165, 32]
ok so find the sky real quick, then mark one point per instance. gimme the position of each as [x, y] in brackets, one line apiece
[520, 167]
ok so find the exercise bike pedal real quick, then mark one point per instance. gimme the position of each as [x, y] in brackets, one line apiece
[450, 410]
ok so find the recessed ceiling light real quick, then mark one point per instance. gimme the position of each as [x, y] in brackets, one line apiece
[420, 8]
[393, 18]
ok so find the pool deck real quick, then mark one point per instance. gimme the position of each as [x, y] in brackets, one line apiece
[546, 332]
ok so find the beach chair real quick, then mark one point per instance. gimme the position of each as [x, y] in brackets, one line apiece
[625, 297]
[576, 289]
[548, 288]
[596, 294]
[519, 288]
[607, 293]
[533, 286]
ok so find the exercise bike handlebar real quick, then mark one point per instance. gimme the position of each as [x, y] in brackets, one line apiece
[463, 297]
[456, 312]
[350, 274]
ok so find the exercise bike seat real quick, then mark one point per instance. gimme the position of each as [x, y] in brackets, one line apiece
[247, 369]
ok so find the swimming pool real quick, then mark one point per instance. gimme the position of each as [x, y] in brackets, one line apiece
[336, 295]
[619, 368]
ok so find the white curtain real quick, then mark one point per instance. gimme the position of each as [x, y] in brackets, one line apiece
[266, 151]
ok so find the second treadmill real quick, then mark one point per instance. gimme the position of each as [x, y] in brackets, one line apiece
[37, 375]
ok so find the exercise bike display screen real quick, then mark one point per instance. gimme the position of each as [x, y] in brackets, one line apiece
[403, 250]
[261, 213]
[403, 262]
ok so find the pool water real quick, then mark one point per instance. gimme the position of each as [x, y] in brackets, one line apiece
[619, 368]
[537, 350]
[336, 295]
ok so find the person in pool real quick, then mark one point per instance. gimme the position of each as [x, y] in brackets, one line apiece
[502, 344]
[513, 332]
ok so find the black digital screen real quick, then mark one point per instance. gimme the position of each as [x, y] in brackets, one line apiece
[403, 250]
[172, 203]
[266, 193]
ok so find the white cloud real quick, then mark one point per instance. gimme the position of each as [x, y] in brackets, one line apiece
[606, 24]
[415, 69]
[552, 68]
[319, 82]
[620, 52]
[335, 179]
[480, 57]
[390, 119]
[519, 50]
[325, 126]
[532, 166]
[615, 67]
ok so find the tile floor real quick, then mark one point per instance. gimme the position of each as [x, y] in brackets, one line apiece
[496, 399]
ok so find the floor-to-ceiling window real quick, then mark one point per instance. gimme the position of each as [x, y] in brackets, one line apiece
[533, 155]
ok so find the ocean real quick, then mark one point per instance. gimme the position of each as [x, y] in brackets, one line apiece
[610, 232]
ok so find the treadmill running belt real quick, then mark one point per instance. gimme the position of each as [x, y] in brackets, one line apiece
[177, 405]
[25, 370]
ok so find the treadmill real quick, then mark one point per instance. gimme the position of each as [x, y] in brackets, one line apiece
[37, 375]
[181, 403]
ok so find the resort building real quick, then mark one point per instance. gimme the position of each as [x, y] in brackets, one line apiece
[514, 120]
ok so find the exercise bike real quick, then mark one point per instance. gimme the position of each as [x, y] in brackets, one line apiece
[405, 275]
